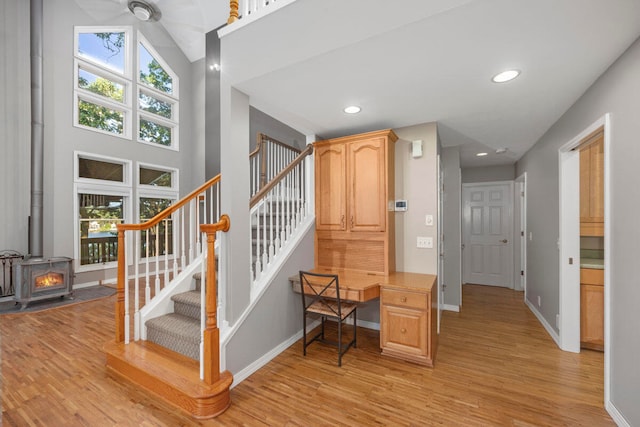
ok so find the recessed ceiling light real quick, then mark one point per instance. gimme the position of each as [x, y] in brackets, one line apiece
[481, 154]
[143, 10]
[352, 109]
[505, 76]
[501, 150]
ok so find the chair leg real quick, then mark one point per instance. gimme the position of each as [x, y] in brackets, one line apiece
[355, 329]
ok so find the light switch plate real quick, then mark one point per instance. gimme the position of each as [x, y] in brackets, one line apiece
[428, 220]
[425, 242]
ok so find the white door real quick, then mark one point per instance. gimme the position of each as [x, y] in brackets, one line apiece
[487, 230]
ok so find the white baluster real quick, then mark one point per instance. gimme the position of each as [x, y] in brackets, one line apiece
[166, 251]
[157, 254]
[127, 320]
[258, 264]
[136, 296]
[147, 291]
[183, 252]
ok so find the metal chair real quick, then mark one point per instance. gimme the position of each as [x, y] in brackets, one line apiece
[321, 295]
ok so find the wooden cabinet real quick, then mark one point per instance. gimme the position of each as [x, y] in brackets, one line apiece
[354, 182]
[592, 187]
[592, 309]
[408, 319]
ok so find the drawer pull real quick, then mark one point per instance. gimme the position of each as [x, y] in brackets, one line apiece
[403, 330]
[403, 299]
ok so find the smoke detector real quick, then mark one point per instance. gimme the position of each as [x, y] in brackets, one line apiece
[144, 11]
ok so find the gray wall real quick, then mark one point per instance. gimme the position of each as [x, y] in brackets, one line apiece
[617, 92]
[451, 222]
[61, 138]
[489, 173]
[417, 182]
[15, 122]
[264, 123]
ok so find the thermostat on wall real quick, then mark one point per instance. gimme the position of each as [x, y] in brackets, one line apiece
[401, 205]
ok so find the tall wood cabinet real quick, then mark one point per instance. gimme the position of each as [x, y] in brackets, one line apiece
[592, 187]
[592, 309]
[354, 186]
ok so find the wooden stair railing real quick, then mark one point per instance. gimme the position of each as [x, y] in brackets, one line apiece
[277, 210]
[268, 159]
[180, 223]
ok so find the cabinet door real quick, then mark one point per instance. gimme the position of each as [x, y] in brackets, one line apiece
[596, 181]
[592, 316]
[330, 187]
[367, 185]
[403, 330]
[585, 184]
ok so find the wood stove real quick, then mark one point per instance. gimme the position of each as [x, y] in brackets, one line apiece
[43, 278]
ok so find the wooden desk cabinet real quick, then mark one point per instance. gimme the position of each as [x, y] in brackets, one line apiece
[592, 309]
[408, 318]
[592, 187]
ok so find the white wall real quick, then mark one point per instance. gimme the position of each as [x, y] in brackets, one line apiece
[616, 92]
[417, 182]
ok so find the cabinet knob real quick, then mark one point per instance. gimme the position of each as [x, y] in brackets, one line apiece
[403, 330]
[403, 299]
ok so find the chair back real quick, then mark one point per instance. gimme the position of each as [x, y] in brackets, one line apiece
[321, 292]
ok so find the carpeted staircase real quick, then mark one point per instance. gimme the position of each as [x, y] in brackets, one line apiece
[179, 331]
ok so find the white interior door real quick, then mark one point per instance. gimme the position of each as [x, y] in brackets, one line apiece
[487, 230]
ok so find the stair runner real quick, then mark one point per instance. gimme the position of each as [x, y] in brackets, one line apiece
[179, 331]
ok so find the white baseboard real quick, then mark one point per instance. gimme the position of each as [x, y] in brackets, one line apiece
[266, 358]
[618, 418]
[554, 335]
[450, 307]
[369, 325]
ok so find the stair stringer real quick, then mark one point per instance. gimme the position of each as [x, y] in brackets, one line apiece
[162, 303]
[262, 285]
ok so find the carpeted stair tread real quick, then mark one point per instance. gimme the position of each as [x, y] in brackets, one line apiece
[176, 332]
[187, 304]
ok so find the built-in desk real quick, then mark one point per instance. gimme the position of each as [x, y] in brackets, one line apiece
[408, 309]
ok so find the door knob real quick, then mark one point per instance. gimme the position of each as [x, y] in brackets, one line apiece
[504, 240]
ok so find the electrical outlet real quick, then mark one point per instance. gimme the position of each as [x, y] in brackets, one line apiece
[425, 242]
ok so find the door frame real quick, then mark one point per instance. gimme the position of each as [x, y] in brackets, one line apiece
[520, 225]
[463, 234]
[569, 304]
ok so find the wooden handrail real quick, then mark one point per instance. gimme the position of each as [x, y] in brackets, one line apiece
[264, 190]
[170, 209]
[211, 334]
[261, 137]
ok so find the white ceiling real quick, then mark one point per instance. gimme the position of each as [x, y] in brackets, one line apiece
[417, 61]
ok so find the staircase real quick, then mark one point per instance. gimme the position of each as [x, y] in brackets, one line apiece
[180, 330]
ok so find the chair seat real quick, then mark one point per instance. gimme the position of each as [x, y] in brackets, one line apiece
[330, 308]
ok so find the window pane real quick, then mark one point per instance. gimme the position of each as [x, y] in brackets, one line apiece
[152, 73]
[154, 105]
[156, 177]
[99, 214]
[104, 48]
[97, 169]
[154, 132]
[99, 117]
[100, 85]
[157, 240]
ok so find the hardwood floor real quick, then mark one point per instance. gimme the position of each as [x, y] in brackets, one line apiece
[495, 366]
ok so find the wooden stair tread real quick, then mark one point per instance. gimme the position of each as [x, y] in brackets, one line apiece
[170, 375]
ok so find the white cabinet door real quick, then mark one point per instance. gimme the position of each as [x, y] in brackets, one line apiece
[487, 231]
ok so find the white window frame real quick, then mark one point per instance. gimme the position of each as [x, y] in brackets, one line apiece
[109, 73]
[154, 188]
[97, 186]
[172, 98]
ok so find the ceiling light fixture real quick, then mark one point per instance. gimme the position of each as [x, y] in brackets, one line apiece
[481, 154]
[505, 76]
[501, 150]
[352, 109]
[144, 11]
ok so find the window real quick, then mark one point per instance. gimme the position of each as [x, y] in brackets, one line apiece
[102, 94]
[158, 239]
[102, 193]
[157, 177]
[157, 98]
[104, 87]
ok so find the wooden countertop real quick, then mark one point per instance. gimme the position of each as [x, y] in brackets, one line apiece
[361, 286]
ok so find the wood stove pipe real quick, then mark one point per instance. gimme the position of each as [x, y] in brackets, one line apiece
[37, 132]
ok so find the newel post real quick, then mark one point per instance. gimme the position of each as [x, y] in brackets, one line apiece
[263, 159]
[119, 309]
[211, 335]
[233, 11]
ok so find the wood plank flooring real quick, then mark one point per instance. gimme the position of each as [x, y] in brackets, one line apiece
[495, 366]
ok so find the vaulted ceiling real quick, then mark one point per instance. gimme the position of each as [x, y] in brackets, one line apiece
[416, 61]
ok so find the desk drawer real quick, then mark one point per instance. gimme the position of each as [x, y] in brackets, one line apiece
[403, 298]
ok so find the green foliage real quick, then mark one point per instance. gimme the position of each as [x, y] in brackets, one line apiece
[113, 42]
[99, 117]
[157, 77]
[154, 132]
